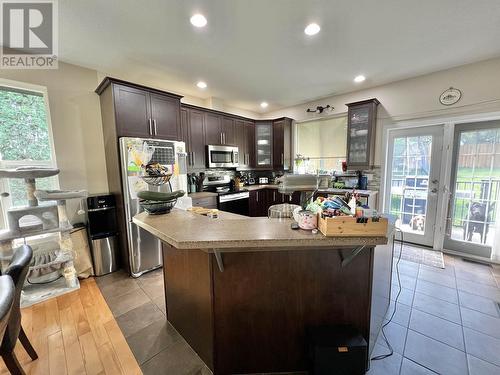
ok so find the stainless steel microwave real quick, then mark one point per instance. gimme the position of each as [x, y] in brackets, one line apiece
[222, 156]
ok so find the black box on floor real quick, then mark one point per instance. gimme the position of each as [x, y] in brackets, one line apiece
[339, 350]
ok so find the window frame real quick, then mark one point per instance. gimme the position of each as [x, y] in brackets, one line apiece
[52, 163]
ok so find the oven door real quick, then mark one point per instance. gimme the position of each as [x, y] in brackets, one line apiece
[222, 156]
[237, 203]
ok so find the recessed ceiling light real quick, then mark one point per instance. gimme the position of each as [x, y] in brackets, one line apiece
[359, 78]
[264, 104]
[312, 29]
[202, 85]
[198, 20]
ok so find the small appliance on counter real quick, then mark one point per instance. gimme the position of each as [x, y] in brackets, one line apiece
[263, 180]
[103, 233]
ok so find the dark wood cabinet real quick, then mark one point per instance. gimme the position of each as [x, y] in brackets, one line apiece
[262, 199]
[143, 112]
[213, 128]
[250, 134]
[228, 131]
[361, 123]
[282, 144]
[132, 111]
[244, 139]
[165, 115]
[196, 140]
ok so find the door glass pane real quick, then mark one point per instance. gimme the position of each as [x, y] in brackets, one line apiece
[263, 136]
[411, 164]
[476, 189]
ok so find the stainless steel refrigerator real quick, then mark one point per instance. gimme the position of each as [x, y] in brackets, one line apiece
[144, 250]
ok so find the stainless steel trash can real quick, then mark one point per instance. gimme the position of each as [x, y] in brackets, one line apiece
[105, 254]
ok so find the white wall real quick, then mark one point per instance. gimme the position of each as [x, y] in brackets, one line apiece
[419, 97]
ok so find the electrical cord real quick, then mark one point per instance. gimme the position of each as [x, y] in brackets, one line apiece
[391, 350]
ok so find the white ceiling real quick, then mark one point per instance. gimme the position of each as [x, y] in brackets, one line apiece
[255, 50]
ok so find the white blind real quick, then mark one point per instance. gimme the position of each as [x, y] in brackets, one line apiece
[322, 138]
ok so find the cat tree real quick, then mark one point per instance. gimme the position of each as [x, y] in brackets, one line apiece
[51, 272]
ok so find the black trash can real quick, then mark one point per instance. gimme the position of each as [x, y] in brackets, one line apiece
[339, 350]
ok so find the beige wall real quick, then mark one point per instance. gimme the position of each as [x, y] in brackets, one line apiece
[76, 125]
[419, 97]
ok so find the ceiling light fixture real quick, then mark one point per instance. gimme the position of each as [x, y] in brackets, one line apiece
[201, 85]
[312, 29]
[264, 104]
[359, 78]
[198, 20]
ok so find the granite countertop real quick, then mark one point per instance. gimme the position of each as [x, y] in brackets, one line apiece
[202, 194]
[320, 190]
[230, 232]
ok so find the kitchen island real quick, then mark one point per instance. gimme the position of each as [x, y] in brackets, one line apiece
[243, 291]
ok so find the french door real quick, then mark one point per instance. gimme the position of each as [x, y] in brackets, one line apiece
[413, 180]
[475, 189]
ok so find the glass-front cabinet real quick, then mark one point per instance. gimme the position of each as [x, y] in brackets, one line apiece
[361, 122]
[264, 144]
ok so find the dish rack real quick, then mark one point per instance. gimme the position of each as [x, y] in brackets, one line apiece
[157, 207]
[156, 180]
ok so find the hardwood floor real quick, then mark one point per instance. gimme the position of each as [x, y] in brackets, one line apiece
[75, 334]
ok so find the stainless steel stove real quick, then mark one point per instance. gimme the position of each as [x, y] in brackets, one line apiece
[229, 199]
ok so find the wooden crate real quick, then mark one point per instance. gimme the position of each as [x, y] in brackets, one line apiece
[344, 226]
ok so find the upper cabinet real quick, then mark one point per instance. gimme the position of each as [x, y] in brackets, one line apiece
[282, 144]
[132, 111]
[213, 128]
[264, 144]
[244, 135]
[142, 112]
[361, 123]
[165, 115]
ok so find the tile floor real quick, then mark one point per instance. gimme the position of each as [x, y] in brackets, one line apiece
[447, 321]
[139, 308]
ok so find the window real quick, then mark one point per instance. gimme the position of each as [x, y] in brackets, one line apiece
[323, 142]
[25, 140]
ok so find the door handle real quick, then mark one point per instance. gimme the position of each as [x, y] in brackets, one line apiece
[150, 127]
[224, 137]
[274, 196]
[154, 124]
[257, 196]
[194, 158]
[220, 136]
[282, 159]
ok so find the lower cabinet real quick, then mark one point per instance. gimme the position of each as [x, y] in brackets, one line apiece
[261, 200]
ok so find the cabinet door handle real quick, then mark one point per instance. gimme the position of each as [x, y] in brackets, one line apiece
[190, 158]
[274, 196]
[154, 124]
[150, 123]
[220, 136]
[282, 159]
[194, 158]
[257, 196]
[224, 136]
